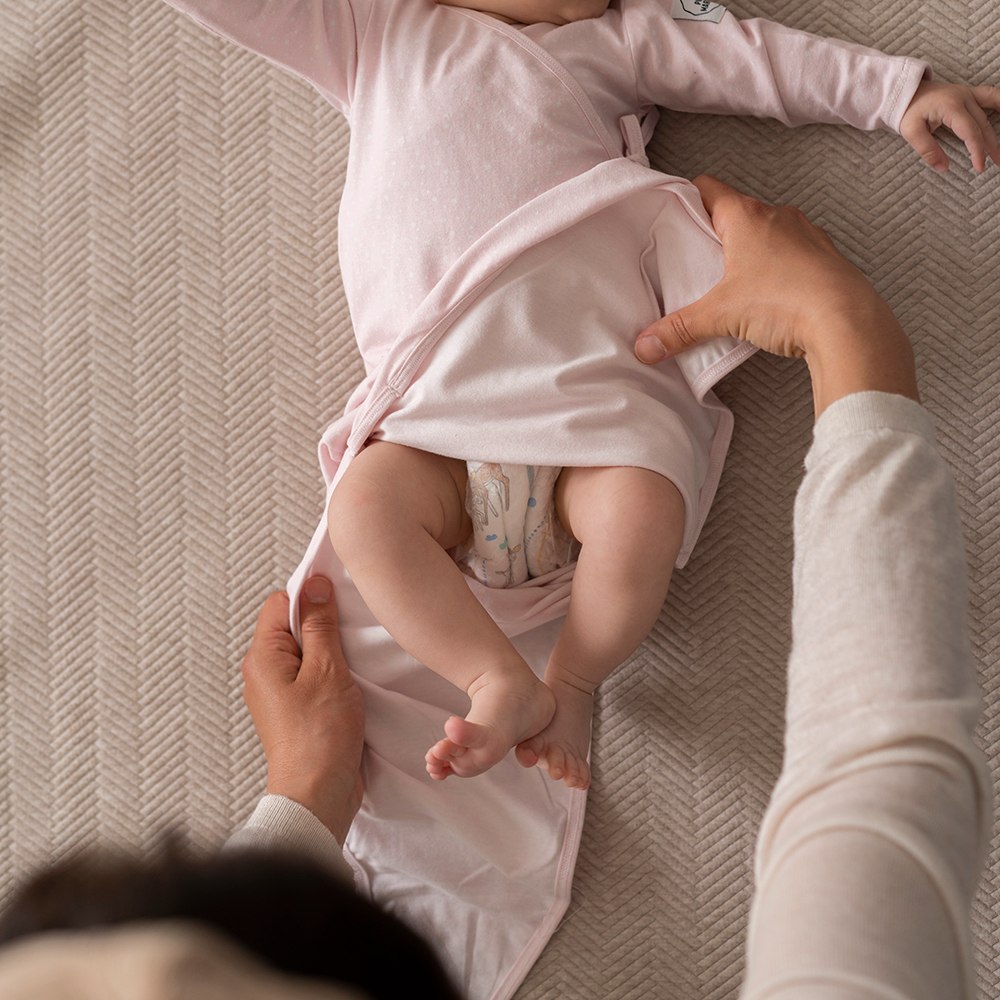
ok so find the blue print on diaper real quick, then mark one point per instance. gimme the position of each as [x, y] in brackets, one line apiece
[503, 544]
[491, 538]
[532, 502]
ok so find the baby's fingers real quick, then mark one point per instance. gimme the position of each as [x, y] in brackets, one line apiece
[985, 99]
[921, 138]
[965, 125]
[969, 122]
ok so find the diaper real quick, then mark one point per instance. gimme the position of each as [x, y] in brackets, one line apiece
[516, 534]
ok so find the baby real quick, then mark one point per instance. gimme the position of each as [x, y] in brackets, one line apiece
[396, 512]
[399, 516]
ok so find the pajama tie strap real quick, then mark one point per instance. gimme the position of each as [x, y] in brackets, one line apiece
[637, 131]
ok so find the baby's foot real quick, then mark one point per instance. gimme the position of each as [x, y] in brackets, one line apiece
[561, 748]
[509, 704]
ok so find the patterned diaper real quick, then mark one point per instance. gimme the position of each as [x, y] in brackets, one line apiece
[515, 532]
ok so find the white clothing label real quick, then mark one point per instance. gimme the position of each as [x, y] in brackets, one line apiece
[697, 10]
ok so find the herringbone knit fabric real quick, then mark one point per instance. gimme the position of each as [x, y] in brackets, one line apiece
[174, 340]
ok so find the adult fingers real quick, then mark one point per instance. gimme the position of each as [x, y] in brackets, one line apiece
[724, 203]
[272, 662]
[678, 331]
[273, 616]
[273, 646]
[700, 320]
[756, 301]
[322, 652]
[713, 191]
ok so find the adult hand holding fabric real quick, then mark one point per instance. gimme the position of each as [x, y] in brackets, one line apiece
[307, 707]
[787, 290]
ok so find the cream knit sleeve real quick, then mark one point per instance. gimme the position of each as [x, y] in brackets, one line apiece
[280, 823]
[876, 834]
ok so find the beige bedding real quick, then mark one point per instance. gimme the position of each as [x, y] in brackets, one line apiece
[173, 340]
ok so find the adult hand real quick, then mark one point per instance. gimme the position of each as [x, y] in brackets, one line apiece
[787, 290]
[306, 707]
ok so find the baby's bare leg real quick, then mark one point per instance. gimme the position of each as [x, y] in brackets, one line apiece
[390, 520]
[631, 525]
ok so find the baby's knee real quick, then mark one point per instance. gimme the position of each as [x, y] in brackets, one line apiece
[634, 511]
[634, 551]
[655, 525]
[353, 517]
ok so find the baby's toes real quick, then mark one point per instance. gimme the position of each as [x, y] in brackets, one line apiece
[437, 767]
[437, 770]
[464, 735]
[440, 757]
[555, 762]
[577, 773]
[529, 752]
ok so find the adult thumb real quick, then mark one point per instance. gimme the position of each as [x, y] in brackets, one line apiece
[319, 623]
[681, 330]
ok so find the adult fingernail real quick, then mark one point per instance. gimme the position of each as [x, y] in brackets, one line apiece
[317, 590]
[649, 349]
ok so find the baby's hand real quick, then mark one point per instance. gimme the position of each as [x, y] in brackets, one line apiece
[958, 107]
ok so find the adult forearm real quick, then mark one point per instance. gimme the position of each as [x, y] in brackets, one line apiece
[873, 843]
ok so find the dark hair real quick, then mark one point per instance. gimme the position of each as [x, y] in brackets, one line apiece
[284, 909]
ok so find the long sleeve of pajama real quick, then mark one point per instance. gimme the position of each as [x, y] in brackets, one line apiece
[876, 834]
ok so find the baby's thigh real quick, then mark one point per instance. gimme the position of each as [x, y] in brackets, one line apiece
[393, 488]
[628, 511]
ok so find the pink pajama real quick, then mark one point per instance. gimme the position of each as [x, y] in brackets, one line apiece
[539, 369]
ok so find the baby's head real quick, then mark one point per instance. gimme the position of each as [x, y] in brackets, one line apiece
[535, 11]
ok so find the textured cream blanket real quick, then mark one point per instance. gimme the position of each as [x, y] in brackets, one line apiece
[174, 340]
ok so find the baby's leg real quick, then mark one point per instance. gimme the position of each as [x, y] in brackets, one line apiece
[630, 523]
[390, 520]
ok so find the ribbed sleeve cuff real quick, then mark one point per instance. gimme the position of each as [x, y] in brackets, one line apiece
[865, 412]
[283, 823]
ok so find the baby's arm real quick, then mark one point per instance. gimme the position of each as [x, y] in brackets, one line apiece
[314, 39]
[757, 67]
[760, 68]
